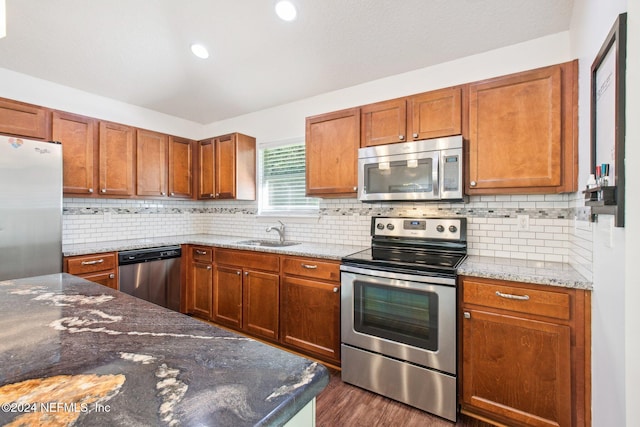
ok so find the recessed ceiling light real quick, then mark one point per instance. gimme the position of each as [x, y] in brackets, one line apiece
[199, 51]
[286, 10]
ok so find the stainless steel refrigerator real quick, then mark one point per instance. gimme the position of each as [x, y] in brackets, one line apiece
[30, 208]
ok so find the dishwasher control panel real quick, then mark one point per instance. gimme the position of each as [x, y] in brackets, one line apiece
[137, 256]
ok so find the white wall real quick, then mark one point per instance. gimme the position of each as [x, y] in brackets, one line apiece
[22, 87]
[592, 20]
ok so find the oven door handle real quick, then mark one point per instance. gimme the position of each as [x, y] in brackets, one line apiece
[399, 276]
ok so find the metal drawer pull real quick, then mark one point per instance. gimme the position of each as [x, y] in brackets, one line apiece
[94, 262]
[509, 296]
[112, 276]
[199, 252]
[335, 290]
[467, 315]
[309, 266]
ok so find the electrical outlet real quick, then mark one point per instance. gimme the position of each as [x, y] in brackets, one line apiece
[523, 222]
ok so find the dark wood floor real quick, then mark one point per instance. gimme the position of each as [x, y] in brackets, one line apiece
[341, 404]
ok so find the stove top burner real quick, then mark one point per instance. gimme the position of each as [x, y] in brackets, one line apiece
[414, 245]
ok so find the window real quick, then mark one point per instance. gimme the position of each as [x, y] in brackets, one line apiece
[282, 180]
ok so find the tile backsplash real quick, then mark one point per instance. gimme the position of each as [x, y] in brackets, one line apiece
[553, 233]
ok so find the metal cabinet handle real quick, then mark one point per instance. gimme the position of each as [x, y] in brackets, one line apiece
[208, 267]
[246, 273]
[473, 183]
[217, 194]
[511, 296]
[415, 135]
[467, 315]
[91, 191]
[355, 188]
[163, 193]
[104, 190]
[94, 262]
[335, 290]
[238, 273]
[309, 266]
[201, 252]
[211, 195]
[401, 137]
[173, 194]
[112, 276]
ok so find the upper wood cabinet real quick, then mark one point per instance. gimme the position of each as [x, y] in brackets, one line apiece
[523, 132]
[79, 137]
[427, 115]
[332, 142]
[524, 353]
[117, 153]
[227, 167]
[163, 165]
[26, 120]
[151, 170]
[180, 168]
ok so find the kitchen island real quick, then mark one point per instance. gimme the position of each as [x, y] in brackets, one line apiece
[74, 352]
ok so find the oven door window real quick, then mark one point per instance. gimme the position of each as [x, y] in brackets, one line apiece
[398, 314]
[401, 176]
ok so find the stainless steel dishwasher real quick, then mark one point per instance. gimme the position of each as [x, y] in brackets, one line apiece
[152, 274]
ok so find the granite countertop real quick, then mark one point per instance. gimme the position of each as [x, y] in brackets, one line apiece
[72, 351]
[316, 250]
[538, 272]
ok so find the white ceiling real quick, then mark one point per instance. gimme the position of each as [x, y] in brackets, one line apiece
[137, 51]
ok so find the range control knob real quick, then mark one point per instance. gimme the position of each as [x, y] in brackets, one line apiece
[390, 227]
[453, 228]
[440, 228]
[380, 226]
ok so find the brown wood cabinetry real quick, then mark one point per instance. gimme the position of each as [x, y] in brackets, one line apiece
[151, 164]
[26, 120]
[427, 115]
[246, 292]
[523, 132]
[524, 353]
[117, 154]
[332, 142]
[227, 167]
[199, 286]
[98, 268]
[310, 307]
[79, 136]
[180, 168]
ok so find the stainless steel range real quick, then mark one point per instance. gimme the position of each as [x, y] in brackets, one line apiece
[398, 312]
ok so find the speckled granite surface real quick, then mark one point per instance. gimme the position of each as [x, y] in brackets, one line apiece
[72, 351]
[538, 272]
[316, 250]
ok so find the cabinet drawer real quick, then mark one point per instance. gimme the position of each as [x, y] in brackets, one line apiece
[202, 254]
[519, 299]
[91, 263]
[311, 267]
[248, 259]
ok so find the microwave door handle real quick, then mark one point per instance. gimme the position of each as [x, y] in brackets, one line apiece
[435, 174]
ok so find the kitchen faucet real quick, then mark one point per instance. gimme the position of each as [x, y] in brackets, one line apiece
[280, 230]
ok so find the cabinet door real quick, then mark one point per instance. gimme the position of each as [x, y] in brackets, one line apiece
[332, 142]
[180, 158]
[435, 114]
[225, 171]
[107, 278]
[310, 317]
[227, 296]
[517, 368]
[201, 289]
[151, 171]
[78, 136]
[206, 166]
[20, 119]
[384, 123]
[520, 133]
[117, 150]
[260, 305]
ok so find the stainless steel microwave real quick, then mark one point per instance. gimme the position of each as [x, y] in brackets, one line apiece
[425, 170]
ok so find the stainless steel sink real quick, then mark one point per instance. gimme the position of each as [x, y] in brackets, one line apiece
[267, 243]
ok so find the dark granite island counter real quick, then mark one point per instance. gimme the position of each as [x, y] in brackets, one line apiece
[74, 352]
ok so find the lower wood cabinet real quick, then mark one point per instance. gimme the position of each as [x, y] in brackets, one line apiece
[199, 281]
[99, 268]
[524, 353]
[246, 292]
[310, 307]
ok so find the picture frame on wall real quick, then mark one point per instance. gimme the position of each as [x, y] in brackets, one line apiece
[608, 86]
